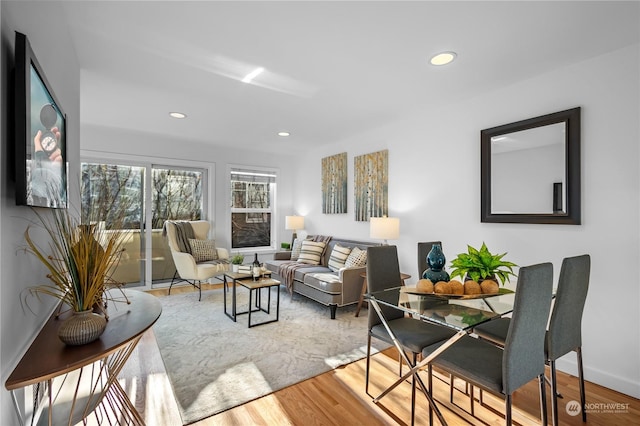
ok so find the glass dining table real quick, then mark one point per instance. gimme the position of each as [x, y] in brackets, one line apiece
[458, 312]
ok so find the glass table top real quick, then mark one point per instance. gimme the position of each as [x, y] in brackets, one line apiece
[459, 312]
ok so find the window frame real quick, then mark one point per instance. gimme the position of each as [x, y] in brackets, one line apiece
[272, 210]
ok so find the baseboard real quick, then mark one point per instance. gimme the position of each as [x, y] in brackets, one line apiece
[625, 385]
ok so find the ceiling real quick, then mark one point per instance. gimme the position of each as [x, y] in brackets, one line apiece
[332, 69]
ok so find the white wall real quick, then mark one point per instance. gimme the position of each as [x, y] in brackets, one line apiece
[434, 187]
[52, 46]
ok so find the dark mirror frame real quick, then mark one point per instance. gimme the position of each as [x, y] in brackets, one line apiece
[572, 215]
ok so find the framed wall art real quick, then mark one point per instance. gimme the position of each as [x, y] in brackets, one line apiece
[371, 185]
[334, 184]
[40, 129]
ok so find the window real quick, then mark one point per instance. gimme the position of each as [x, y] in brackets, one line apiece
[176, 195]
[252, 208]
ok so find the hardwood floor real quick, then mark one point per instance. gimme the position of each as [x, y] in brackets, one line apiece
[338, 398]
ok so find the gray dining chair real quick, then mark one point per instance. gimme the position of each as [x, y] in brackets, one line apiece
[413, 335]
[565, 325]
[502, 371]
[423, 250]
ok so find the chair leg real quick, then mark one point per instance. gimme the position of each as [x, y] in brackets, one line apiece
[583, 395]
[430, 384]
[543, 399]
[507, 410]
[366, 373]
[473, 410]
[175, 275]
[554, 394]
[413, 394]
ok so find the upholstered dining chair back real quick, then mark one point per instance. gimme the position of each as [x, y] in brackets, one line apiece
[423, 250]
[383, 272]
[565, 326]
[523, 358]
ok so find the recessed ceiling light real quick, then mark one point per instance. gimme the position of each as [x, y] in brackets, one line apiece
[177, 115]
[443, 58]
[253, 74]
[284, 134]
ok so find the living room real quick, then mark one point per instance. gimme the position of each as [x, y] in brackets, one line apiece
[434, 173]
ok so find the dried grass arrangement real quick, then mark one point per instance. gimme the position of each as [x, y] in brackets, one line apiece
[80, 259]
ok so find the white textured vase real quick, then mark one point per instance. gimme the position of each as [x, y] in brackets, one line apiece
[82, 328]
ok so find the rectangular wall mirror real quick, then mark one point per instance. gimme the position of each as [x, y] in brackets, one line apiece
[530, 170]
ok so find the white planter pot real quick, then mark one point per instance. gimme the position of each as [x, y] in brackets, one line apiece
[235, 267]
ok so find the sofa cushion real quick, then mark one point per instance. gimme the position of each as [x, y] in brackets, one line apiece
[338, 257]
[356, 258]
[326, 282]
[311, 252]
[203, 250]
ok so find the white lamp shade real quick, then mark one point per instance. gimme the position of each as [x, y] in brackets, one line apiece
[294, 222]
[384, 228]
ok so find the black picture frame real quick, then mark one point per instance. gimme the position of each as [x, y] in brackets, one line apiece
[568, 195]
[40, 134]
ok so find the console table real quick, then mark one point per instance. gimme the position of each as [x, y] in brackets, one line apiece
[71, 382]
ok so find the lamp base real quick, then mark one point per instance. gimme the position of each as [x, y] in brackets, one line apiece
[293, 239]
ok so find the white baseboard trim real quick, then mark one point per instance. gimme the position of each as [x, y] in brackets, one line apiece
[568, 364]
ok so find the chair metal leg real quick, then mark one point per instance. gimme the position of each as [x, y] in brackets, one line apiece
[507, 410]
[543, 399]
[473, 411]
[430, 382]
[583, 395]
[175, 276]
[366, 373]
[554, 396]
[413, 394]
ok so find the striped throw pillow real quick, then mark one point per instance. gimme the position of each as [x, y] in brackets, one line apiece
[356, 258]
[338, 256]
[311, 252]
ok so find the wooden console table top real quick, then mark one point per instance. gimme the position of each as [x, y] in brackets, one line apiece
[49, 357]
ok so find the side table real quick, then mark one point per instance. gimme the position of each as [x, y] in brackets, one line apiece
[364, 288]
[234, 277]
[256, 286]
[48, 364]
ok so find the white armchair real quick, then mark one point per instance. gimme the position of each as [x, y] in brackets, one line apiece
[187, 268]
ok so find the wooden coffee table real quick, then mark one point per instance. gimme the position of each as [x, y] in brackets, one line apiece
[257, 286]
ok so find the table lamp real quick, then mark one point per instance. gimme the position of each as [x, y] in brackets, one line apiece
[294, 223]
[384, 228]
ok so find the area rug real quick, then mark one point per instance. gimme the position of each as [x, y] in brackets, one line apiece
[215, 364]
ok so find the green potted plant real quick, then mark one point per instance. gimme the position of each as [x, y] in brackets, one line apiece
[479, 265]
[236, 261]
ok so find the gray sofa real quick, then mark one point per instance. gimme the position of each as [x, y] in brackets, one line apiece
[333, 289]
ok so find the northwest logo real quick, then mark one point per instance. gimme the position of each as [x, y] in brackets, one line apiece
[573, 408]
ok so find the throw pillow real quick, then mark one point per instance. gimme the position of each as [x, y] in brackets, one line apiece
[311, 252]
[295, 250]
[338, 257]
[203, 250]
[357, 257]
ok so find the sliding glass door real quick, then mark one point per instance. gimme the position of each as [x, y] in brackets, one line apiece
[152, 195]
[176, 194]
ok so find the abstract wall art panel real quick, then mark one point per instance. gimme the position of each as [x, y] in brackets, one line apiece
[334, 184]
[371, 185]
